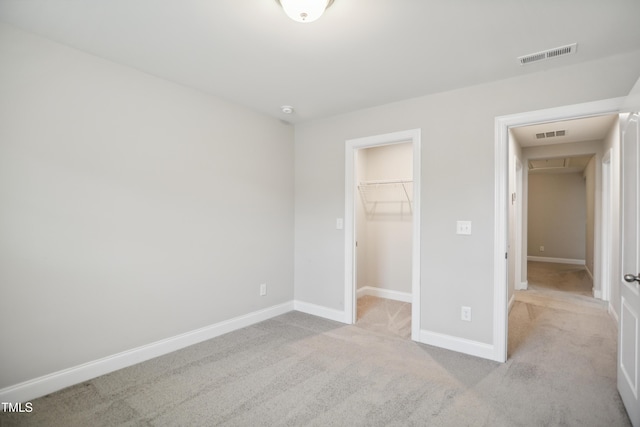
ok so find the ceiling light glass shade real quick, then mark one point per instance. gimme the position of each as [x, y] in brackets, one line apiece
[304, 10]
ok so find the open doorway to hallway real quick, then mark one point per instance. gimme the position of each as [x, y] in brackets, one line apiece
[565, 198]
[561, 226]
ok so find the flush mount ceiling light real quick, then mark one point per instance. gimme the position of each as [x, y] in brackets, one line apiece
[305, 10]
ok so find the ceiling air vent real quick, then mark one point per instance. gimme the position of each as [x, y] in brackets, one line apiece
[548, 54]
[552, 134]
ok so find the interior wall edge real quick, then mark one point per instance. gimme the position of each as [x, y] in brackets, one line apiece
[321, 311]
[460, 345]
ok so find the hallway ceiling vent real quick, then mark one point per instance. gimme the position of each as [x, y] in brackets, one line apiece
[551, 134]
[548, 54]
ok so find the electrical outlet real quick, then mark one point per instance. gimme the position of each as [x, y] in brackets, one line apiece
[263, 289]
[541, 248]
[466, 314]
[463, 227]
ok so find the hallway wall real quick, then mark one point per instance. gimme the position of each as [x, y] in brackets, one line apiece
[557, 216]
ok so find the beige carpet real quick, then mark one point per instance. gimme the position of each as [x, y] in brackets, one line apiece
[384, 316]
[567, 278]
[300, 370]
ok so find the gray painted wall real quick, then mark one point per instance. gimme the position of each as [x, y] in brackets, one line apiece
[563, 150]
[557, 216]
[133, 209]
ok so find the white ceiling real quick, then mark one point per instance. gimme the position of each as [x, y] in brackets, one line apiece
[361, 53]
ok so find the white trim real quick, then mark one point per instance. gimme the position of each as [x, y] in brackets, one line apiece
[523, 286]
[461, 345]
[613, 314]
[597, 294]
[512, 301]
[351, 146]
[586, 268]
[519, 258]
[501, 149]
[557, 260]
[500, 243]
[320, 311]
[607, 224]
[385, 293]
[55, 381]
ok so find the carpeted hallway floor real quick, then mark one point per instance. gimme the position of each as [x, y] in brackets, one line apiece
[299, 370]
[568, 278]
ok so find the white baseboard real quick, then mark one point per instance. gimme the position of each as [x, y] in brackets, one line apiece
[384, 293]
[588, 272]
[512, 300]
[557, 260]
[523, 286]
[461, 345]
[320, 311]
[55, 381]
[613, 315]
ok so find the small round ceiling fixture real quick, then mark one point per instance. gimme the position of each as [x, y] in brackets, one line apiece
[304, 10]
[287, 109]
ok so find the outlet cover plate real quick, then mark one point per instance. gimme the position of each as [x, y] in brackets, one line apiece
[463, 227]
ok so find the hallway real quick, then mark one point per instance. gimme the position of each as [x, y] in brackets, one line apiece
[569, 279]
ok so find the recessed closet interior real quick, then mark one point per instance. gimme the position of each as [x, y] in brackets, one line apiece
[384, 221]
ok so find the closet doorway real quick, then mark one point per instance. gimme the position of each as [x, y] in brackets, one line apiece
[381, 233]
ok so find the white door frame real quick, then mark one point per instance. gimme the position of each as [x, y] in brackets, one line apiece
[607, 226]
[501, 190]
[412, 136]
[519, 284]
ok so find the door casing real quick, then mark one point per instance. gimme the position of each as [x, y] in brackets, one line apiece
[607, 226]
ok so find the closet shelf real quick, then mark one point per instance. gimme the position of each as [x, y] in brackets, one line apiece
[386, 191]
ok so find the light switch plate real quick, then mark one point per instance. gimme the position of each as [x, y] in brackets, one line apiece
[339, 223]
[466, 314]
[463, 227]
